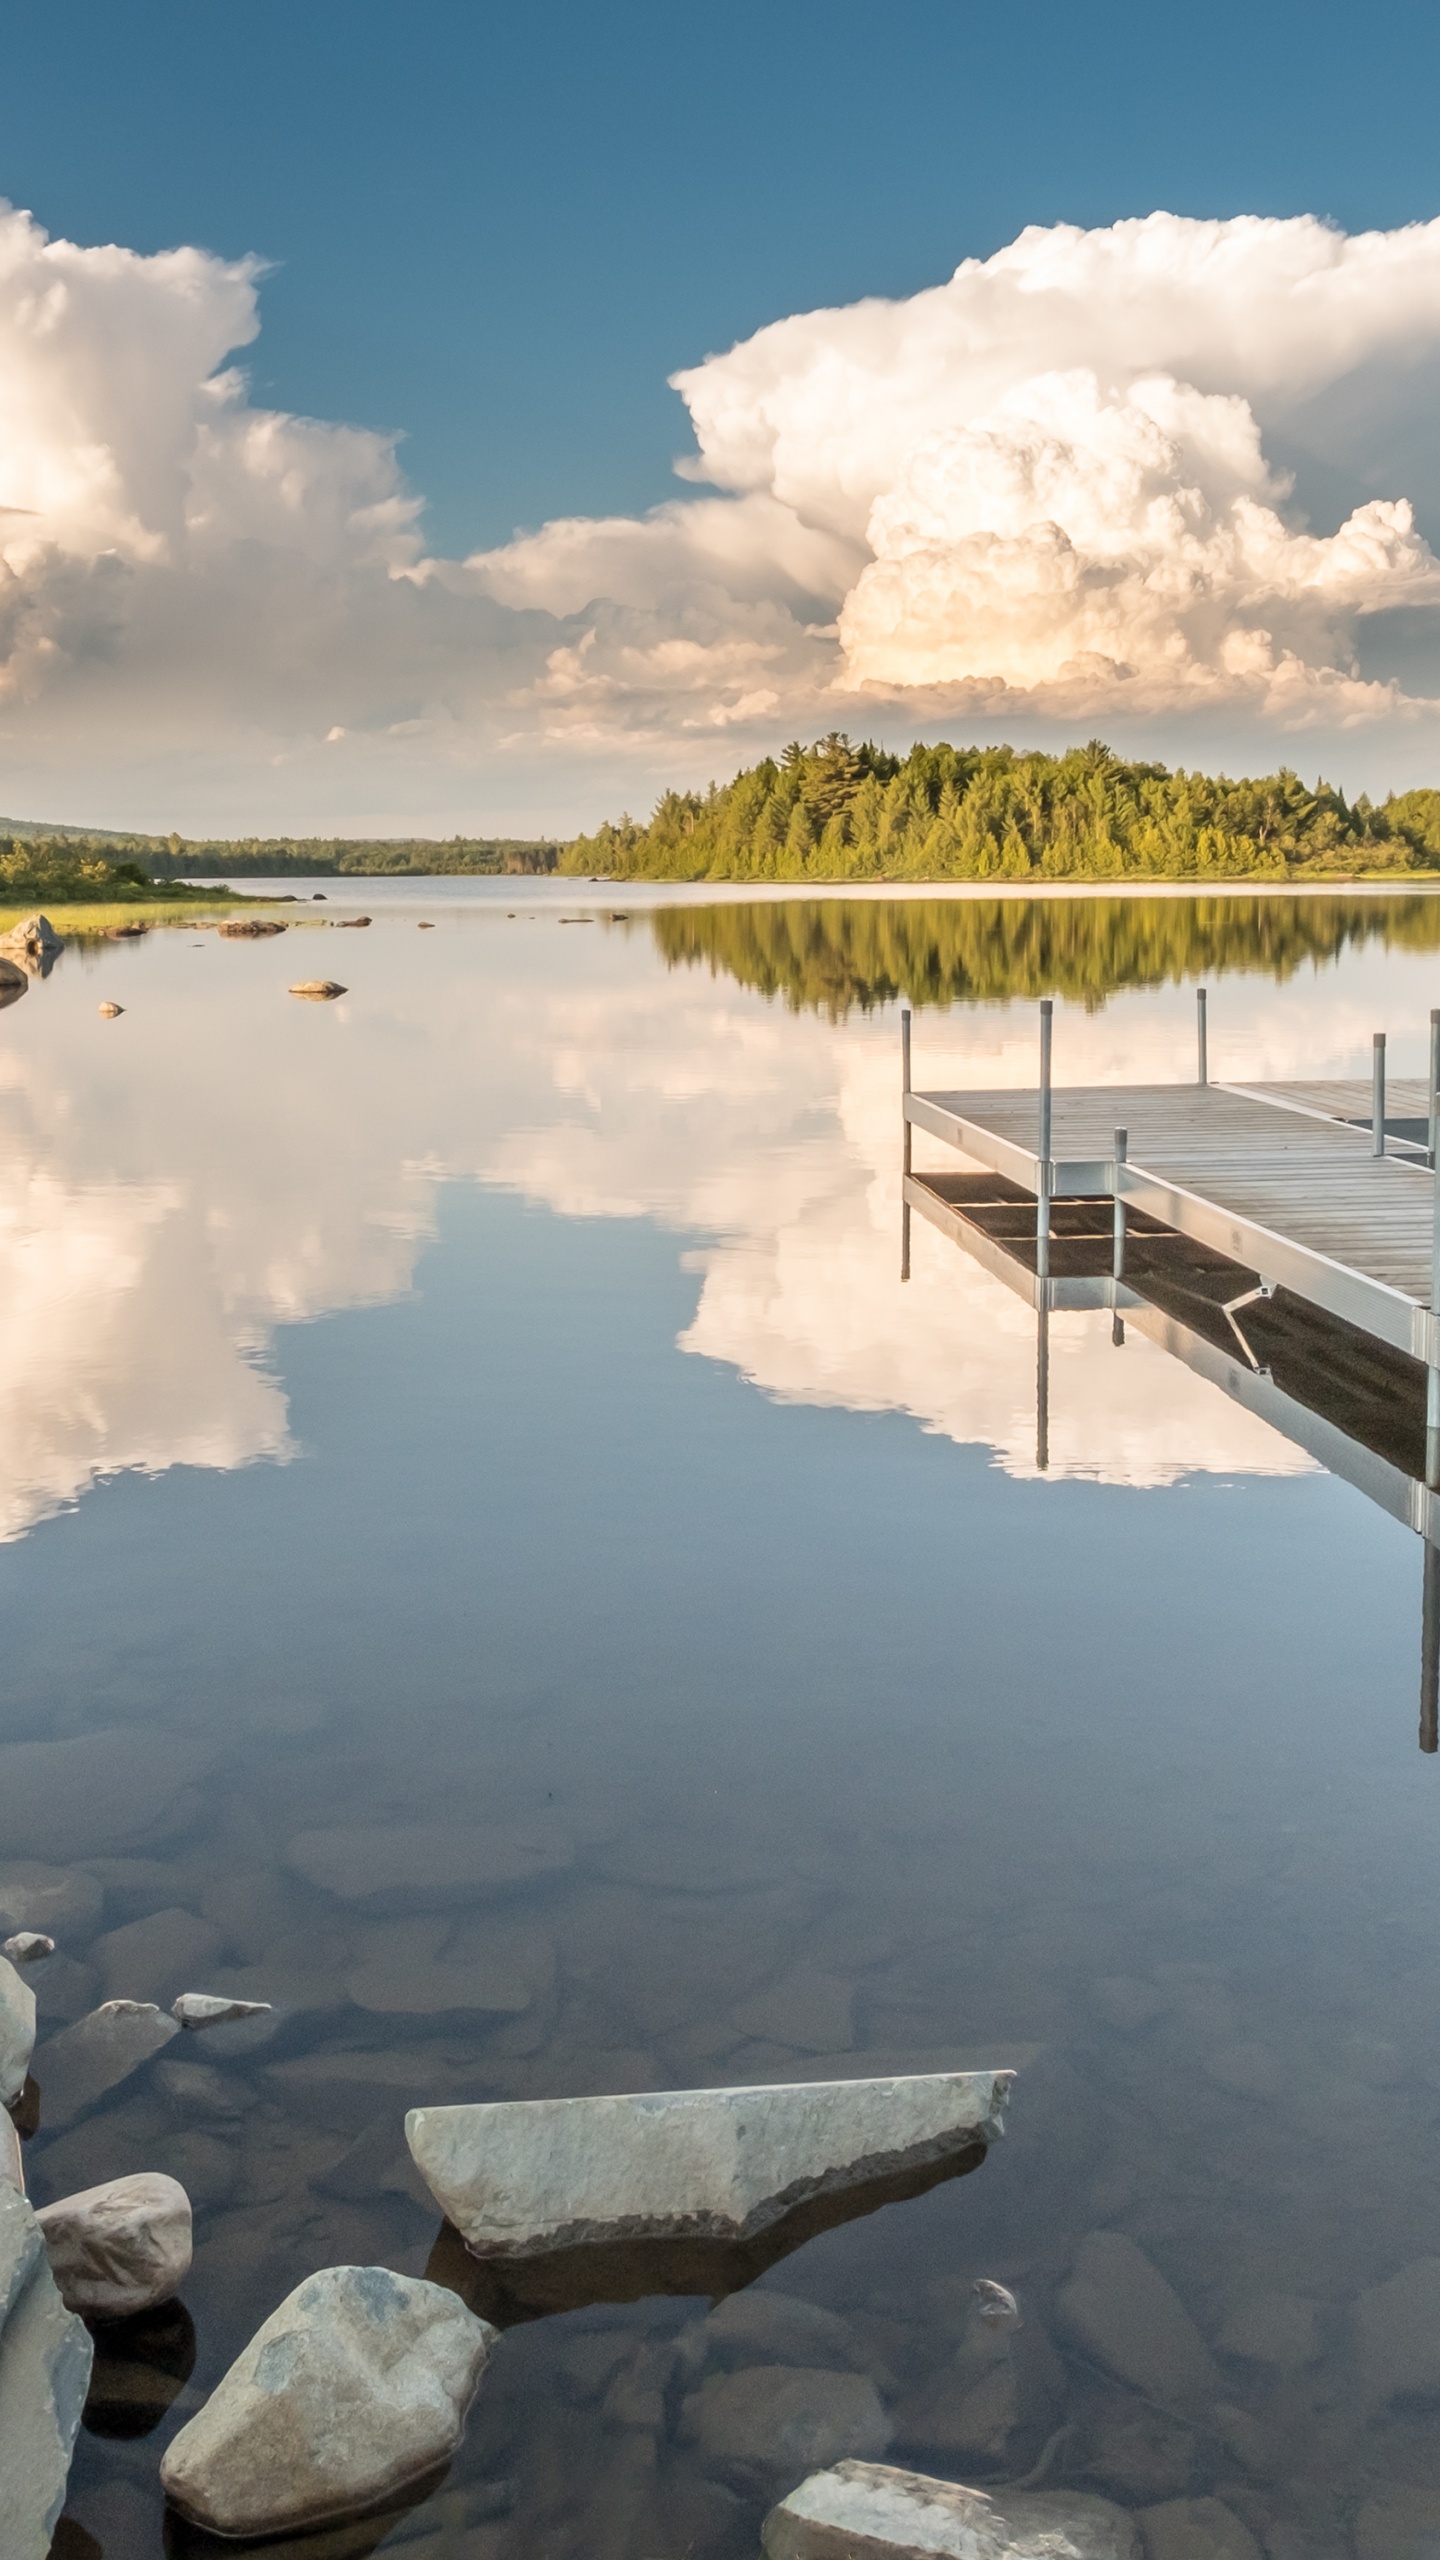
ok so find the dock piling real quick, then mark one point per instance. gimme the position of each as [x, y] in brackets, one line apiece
[1045, 1172]
[1202, 1048]
[1434, 1085]
[1377, 1102]
[906, 1143]
[1431, 1652]
[1117, 1321]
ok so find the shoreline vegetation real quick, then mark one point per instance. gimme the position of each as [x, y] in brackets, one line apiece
[831, 815]
[835, 813]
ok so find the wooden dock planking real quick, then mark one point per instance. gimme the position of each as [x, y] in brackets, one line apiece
[1286, 1188]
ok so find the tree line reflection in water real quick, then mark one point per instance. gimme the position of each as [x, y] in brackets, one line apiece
[839, 955]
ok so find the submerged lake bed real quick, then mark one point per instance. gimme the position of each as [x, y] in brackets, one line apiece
[489, 1403]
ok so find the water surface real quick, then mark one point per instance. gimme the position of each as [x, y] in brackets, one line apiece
[493, 1396]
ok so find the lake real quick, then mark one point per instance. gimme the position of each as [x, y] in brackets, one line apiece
[492, 1397]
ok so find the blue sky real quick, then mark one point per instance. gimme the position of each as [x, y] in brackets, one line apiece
[499, 230]
[493, 235]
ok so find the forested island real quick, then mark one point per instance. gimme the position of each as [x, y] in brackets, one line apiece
[838, 812]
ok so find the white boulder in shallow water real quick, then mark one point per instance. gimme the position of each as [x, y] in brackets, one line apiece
[196, 2009]
[866, 2507]
[356, 2386]
[121, 2247]
[45, 2360]
[100, 2050]
[17, 2031]
[28, 1946]
[721, 2164]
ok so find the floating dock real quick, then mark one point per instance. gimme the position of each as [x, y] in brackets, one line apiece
[1281, 1239]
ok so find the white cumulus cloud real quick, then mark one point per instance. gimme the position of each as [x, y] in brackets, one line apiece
[1165, 471]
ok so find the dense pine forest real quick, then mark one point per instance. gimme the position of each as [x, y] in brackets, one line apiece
[835, 811]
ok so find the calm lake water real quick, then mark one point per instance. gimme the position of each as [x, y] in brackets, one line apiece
[492, 1398]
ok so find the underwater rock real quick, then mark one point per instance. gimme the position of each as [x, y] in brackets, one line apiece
[63, 1899]
[1398, 2524]
[357, 2384]
[762, 2326]
[146, 1958]
[17, 2032]
[761, 2430]
[93, 1793]
[1399, 2335]
[1121, 2311]
[119, 2248]
[1197, 2529]
[196, 2009]
[419, 1866]
[94, 2055]
[550, 2173]
[45, 2359]
[869, 2508]
[1279, 2329]
[27, 1946]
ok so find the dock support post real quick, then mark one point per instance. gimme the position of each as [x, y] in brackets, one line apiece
[1434, 1085]
[1117, 1322]
[905, 1148]
[1431, 1652]
[1042, 1380]
[1377, 1097]
[1042, 1195]
[1202, 1049]
[1432, 1373]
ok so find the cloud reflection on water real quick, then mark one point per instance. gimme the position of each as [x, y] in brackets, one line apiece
[230, 1165]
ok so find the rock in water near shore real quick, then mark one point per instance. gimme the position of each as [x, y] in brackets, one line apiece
[249, 928]
[866, 2507]
[121, 2247]
[196, 2009]
[28, 1946]
[359, 2383]
[111, 1012]
[17, 2031]
[722, 2164]
[39, 1897]
[36, 935]
[1121, 2311]
[322, 988]
[101, 2049]
[13, 982]
[45, 2359]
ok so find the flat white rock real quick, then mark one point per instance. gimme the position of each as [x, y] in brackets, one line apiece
[12, 2159]
[45, 2360]
[724, 2164]
[100, 2050]
[867, 2511]
[121, 2247]
[17, 2031]
[358, 2384]
[212, 2009]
